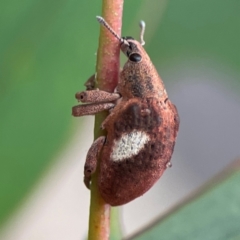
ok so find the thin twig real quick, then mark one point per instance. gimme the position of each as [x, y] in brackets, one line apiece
[107, 77]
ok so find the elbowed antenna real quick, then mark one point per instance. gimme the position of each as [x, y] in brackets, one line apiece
[142, 27]
[102, 21]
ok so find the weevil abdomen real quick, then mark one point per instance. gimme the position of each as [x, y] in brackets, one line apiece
[139, 145]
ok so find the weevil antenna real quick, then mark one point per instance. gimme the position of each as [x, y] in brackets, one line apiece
[102, 21]
[142, 27]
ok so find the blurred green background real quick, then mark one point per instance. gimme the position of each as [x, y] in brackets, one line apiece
[47, 51]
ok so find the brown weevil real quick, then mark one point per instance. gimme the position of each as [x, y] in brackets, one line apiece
[141, 128]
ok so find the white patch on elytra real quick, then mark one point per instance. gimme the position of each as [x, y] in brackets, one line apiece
[130, 144]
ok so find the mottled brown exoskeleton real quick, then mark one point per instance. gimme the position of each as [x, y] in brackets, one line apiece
[141, 128]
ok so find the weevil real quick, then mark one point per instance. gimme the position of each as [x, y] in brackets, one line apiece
[141, 128]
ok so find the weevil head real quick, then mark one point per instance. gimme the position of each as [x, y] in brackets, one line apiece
[132, 49]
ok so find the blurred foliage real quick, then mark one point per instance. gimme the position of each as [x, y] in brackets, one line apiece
[47, 51]
[42, 66]
[213, 215]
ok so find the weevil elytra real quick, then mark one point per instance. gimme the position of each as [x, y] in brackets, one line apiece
[141, 128]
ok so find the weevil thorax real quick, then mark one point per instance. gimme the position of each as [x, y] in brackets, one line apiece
[139, 77]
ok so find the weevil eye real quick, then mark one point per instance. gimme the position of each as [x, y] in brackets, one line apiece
[135, 57]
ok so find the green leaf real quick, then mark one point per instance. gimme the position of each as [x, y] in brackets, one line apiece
[213, 213]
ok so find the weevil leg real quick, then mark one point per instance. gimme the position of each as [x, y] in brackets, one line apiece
[106, 120]
[91, 160]
[111, 113]
[90, 109]
[90, 83]
[96, 96]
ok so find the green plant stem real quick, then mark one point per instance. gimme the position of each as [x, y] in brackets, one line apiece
[107, 70]
[115, 224]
